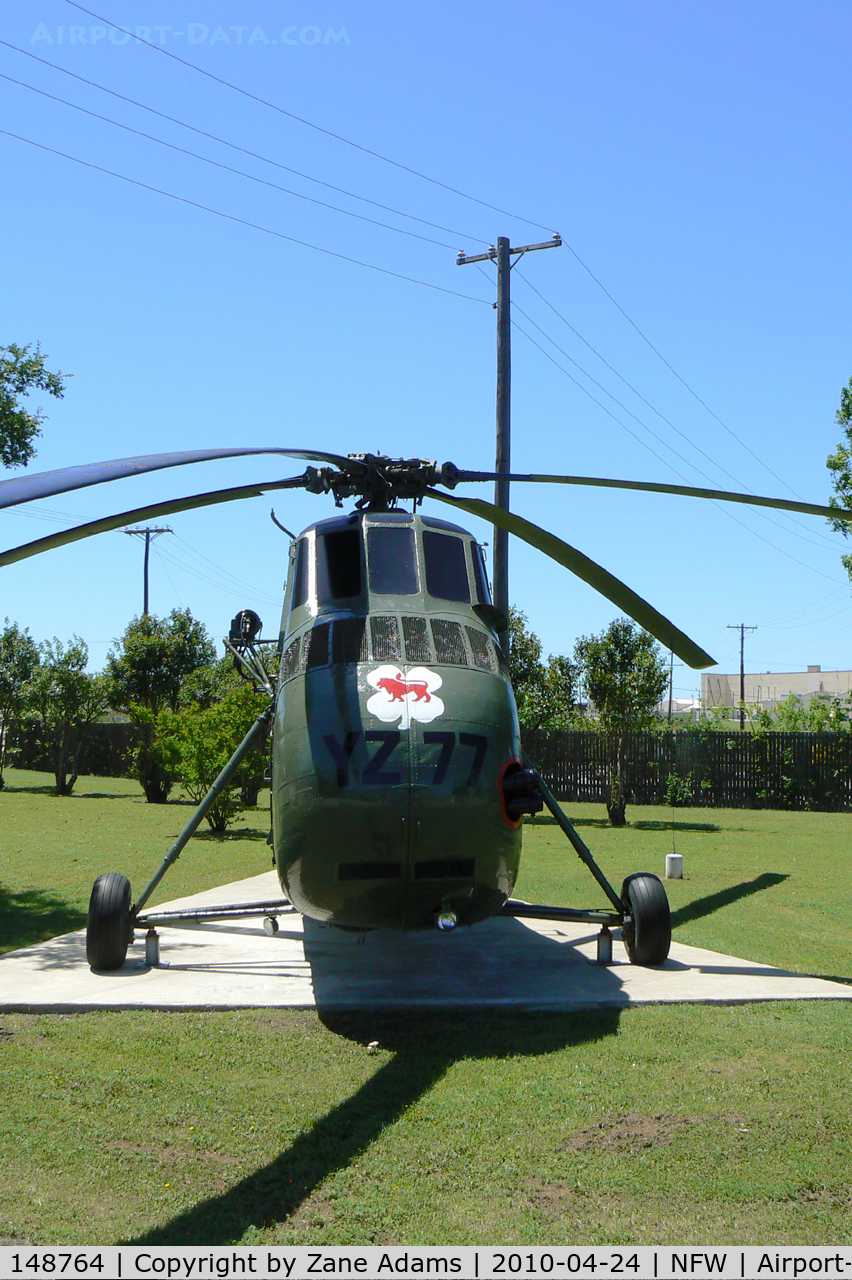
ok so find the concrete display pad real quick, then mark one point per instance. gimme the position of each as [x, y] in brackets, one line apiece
[502, 963]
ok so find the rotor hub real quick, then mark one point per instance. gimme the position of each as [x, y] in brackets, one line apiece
[378, 482]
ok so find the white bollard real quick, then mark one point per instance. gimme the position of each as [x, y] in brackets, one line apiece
[674, 866]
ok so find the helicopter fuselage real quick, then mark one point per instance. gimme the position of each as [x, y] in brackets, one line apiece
[395, 728]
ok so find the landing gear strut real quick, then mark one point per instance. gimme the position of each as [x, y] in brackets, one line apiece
[642, 909]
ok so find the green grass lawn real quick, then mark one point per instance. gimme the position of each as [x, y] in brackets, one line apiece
[662, 1124]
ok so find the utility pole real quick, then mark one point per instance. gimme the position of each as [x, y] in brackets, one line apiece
[148, 533]
[671, 683]
[502, 254]
[742, 628]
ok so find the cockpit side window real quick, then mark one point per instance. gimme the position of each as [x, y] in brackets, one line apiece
[391, 559]
[446, 567]
[338, 565]
[300, 575]
[480, 577]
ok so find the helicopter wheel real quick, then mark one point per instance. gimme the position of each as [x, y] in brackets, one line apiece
[108, 927]
[648, 934]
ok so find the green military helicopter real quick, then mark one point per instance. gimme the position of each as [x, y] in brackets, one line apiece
[398, 781]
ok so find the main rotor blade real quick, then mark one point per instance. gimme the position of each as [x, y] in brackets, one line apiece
[720, 495]
[143, 513]
[596, 576]
[46, 483]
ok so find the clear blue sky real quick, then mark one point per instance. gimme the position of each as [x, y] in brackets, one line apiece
[696, 159]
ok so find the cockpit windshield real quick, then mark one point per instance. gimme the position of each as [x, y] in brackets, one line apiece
[338, 565]
[446, 567]
[392, 560]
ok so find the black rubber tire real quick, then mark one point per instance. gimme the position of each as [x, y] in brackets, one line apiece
[647, 935]
[108, 930]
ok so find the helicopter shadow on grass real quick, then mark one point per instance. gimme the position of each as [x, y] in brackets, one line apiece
[473, 982]
[431, 1000]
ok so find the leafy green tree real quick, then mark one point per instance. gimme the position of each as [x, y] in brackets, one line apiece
[821, 714]
[546, 693]
[839, 464]
[625, 675]
[146, 670]
[18, 662]
[65, 699]
[21, 371]
[205, 738]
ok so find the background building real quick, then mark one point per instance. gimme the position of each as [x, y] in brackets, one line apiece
[767, 688]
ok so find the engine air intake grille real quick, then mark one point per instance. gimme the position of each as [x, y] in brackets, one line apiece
[385, 636]
[416, 640]
[482, 649]
[290, 661]
[449, 644]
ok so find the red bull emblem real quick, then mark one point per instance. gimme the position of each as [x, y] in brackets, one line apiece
[399, 688]
[404, 698]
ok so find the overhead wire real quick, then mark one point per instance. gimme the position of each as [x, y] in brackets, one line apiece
[239, 582]
[664, 443]
[230, 217]
[238, 591]
[425, 177]
[653, 408]
[670, 367]
[329, 133]
[255, 155]
[159, 555]
[609, 412]
[383, 270]
[140, 133]
[416, 173]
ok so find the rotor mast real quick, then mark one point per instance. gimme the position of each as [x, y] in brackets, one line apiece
[502, 255]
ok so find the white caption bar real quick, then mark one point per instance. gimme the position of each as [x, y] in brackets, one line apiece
[724, 1262]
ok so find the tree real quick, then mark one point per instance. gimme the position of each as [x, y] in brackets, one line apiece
[18, 662]
[839, 464]
[546, 693]
[205, 738]
[625, 675]
[65, 699]
[148, 665]
[22, 370]
[146, 669]
[820, 715]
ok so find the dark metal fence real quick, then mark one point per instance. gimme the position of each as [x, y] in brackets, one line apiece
[695, 767]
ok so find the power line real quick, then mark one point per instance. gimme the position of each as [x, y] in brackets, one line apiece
[455, 191]
[329, 133]
[777, 523]
[255, 155]
[140, 133]
[664, 461]
[230, 217]
[654, 409]
[671, 368]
